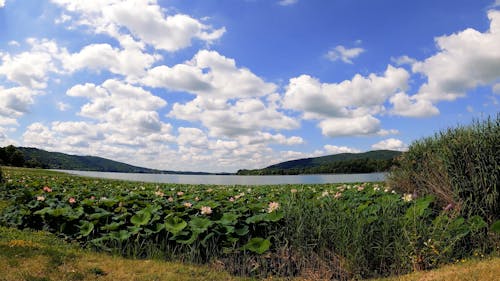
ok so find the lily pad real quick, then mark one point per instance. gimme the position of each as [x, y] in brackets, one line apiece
[257, 245]
[175, 224]
[141, 218]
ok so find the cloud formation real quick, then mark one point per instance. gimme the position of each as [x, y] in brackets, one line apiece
[342, 53]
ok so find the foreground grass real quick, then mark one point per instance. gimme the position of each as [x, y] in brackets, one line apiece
[27, 255]
[472, 270]
[40, 256]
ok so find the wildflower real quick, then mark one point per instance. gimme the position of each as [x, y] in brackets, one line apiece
[337, 195]
[206, 210]
[180, 193]
[72, 200]
[407, 197]
[40, 198]
[159, 193]
[293, 190]
[273, 206]
[170, 199]
[188, 205]
[47, 189]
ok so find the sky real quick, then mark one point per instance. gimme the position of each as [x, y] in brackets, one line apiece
[222, 85]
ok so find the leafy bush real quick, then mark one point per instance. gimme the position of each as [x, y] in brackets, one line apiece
[460, 166]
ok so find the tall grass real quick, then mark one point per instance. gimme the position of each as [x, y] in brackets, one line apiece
[460, 166]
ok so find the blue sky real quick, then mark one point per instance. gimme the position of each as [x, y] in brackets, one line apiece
[224, 85]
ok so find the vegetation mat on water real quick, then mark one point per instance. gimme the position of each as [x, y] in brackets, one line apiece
[340, 232]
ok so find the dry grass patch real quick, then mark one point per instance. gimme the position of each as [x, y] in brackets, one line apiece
[472, 270]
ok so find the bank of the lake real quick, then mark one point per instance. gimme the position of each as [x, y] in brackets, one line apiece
[234, 179]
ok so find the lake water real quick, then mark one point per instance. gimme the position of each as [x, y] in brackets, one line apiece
[235, 180]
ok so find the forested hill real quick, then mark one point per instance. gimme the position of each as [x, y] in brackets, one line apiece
[367, 162]
[37, 158]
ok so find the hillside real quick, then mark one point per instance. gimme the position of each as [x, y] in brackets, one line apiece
[367, 162]
[38, 158]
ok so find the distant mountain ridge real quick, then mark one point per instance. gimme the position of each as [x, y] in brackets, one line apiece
[56, 160]
[366, 162]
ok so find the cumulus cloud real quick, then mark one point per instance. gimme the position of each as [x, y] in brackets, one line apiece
[2, 3]
[342, 53]
[209, 74]
[390, 144]
[30, 69]
[345, 108]
[465, 60]
[15, 102]
[402, 60]
[333, 149]
[131, 61]
[410, 106]
[151, 26]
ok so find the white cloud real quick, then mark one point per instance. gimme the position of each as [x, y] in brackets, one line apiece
[350, 126]
[30, 69]
[333, 149]
[390, 144]
[465, 60]
[145, 20]
[15, 102]
[62, 106]
[405, 105]
[287, 2]
[14, 43]
[403, 60]
[209, 74]
[342, 53]
[345, 108]
[131, 61]
[2, 3]
[496, 88]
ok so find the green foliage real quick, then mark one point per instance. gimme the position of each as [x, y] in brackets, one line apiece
[460, 166]
[342, 232]
[368, 162]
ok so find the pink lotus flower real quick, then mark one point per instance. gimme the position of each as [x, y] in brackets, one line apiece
[72, 200]
[40, 198]
[273, 206]
[188, 205]
[170, 199]
[47, 189]
[206, 210]
[337, 195]
[180, 193]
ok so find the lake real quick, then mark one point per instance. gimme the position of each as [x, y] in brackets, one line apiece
[233, 179]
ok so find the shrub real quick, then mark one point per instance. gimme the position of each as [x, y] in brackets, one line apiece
[460, 166]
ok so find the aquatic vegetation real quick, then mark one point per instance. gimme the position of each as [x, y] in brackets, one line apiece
[339, 231]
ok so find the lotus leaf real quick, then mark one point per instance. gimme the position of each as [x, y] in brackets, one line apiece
[86, 228]
[175, 225]
[199, 225]
[142, 217]
[257, 245]
[495, 227]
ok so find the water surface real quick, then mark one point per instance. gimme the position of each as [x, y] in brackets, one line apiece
[233, 179]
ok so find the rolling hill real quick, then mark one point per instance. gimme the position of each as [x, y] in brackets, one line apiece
[367, 162]
[34, 157]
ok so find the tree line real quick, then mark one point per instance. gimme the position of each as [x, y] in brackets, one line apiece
[11, 156]
[353, 166]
